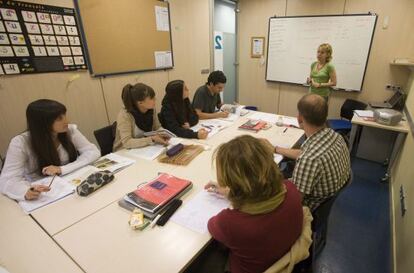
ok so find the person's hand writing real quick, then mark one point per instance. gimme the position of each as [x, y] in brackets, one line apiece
[51, 170]
[202, 134]
[34, 191]
[223, 114]
[186, 125]
[160, 139]
[215, 188]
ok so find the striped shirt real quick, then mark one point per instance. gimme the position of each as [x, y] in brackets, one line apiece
[323, 167]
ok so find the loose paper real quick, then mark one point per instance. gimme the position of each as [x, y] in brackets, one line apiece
[163, 59]
[161, 17]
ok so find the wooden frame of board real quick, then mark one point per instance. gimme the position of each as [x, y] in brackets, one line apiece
[257, 47]
[125, 36]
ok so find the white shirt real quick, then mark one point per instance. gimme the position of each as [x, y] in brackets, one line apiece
[20, 168]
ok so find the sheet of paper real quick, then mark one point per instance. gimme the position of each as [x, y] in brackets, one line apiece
[231, 117]
[289, 121]
[196, 212]
[76, 177]
[161, 18]
[270, 118]
[153, 151]
[213, 126]
[163, 59]
[277, 158]
[59, 189]
[364, 113]
[113, 162]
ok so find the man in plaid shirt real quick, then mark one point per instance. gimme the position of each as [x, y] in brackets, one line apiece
[322, 163]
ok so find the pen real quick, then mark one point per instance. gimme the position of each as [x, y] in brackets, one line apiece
[284, 131]
[154, 222]
[50, 184]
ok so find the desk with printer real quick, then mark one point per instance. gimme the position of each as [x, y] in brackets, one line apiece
[382, 134]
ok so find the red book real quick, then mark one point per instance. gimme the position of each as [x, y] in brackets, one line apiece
[253, 125]
[154, 195]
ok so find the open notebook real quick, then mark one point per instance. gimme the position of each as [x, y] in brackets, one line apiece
[59, 189]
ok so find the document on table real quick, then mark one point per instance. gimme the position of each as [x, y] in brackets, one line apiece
[364, 113]
[195, 213]
[213, 126]
[113, 162]
[270, 118]
[290, 121]
[151, 152]
[59, 189]
[277, 158]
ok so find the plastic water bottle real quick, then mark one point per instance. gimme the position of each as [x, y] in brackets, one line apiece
[279, 121]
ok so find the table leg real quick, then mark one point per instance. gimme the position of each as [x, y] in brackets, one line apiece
[352, 136]
[396, 148]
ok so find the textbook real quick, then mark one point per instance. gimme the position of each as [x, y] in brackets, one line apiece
[253, 125]
[155, 195]
[160, 131]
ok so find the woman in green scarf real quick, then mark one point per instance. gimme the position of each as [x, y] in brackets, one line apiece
[266, 215]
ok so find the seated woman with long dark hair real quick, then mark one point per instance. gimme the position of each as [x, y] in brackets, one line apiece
[50, 146]
[177, 114]
[136, 118]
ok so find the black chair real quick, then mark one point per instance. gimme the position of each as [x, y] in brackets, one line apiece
[105, 137]
[343, 125]
[319, 230]
[320, 220]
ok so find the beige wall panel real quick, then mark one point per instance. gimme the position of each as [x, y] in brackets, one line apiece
[314, 7]
[191, 42]
[112, 87]
[253, 21]
[404, 174]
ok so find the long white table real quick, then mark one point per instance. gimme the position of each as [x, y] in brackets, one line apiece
[94, 230]
[162, 249]
[24, 247]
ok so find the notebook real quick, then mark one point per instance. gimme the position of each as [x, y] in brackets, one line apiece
[253, 125]
[154, 195]
[58, 190]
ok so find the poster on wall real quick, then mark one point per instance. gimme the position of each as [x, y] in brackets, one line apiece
[38, 38]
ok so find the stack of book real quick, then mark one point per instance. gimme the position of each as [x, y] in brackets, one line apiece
[253, 125]
[155, 196]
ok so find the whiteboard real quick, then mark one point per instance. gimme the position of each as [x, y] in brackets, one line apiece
[293, 43]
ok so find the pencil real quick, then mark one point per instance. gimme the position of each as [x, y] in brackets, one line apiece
[50, 184]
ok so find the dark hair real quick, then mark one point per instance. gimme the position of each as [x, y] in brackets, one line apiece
[174, 95]
[133, 93]
[254, 176]
[216, 77]
[40, 115]
[314, 109]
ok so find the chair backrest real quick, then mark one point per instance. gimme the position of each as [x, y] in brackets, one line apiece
[347, 109]
[105, 138]
[321, 217]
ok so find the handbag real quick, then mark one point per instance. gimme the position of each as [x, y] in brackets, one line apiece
[94, 182]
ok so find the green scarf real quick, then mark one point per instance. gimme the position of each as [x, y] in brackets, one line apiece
[265, 206]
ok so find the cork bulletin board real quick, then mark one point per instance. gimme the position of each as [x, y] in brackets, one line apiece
[125, 36]
[37, 38]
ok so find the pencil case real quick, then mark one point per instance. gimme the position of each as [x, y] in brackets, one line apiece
[175, 149]
[94, 182]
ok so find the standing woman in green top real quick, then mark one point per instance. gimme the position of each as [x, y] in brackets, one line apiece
[323, 74]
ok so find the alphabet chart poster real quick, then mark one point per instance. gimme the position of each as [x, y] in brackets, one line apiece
[38, 38]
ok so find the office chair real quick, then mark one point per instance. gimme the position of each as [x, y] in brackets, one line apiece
[105, 138]
[320, 230]
[343, 125]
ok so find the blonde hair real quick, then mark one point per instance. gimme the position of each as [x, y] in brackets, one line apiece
[328, 49]
[245, 165]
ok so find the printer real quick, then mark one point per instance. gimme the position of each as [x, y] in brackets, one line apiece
[387, 116]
